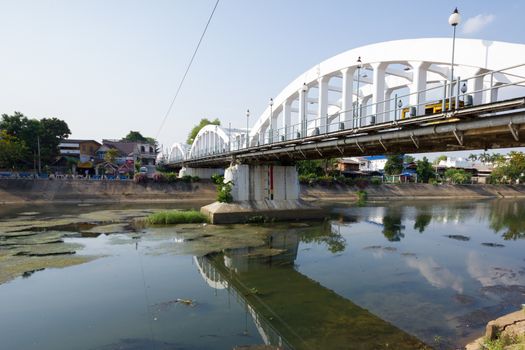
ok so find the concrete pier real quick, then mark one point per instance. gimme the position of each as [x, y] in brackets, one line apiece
[262, 193]
[203, 173]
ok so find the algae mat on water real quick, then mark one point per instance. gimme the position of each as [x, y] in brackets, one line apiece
[30, 243]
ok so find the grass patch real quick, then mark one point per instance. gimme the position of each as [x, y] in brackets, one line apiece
[176, 217]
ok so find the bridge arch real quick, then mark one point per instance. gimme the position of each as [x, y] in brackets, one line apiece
[178, 152]
[411, 65]
[213, 139]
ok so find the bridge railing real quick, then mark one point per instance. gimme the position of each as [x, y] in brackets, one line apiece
[441, 97]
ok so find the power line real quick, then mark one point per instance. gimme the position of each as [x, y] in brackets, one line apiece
[187, 69]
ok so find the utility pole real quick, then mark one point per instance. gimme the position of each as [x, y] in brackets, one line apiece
[39, 160]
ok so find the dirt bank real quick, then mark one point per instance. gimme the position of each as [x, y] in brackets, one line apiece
[22, 191]
[413, 191]
[64, 191]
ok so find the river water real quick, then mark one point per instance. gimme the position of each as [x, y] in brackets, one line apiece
[387, 275]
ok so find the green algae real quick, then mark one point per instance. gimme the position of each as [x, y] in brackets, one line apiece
[108, 229]
[15, 266]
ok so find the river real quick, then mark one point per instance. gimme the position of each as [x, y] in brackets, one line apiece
[398, 275]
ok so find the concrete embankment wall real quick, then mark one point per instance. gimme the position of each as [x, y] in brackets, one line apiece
[415, 191]
[20, 191]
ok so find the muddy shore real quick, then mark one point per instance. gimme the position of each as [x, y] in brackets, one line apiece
[16, 191]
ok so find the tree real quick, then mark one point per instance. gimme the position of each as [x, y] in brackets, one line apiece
[195, 130]
[111, 155]
[484, 157]
[408, 159]
[307, 167]
[47, 132]
[135, 136]
[11, 150]
[472, 157]
[394, 165]
[439, 159]
[458, 176]
[424, 170]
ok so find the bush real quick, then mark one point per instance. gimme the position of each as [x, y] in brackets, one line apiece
[224, 192]
[217, 179]
[171, 177]
[362, 197]
[325, 180]
[159, 177]
[140, 178]
[308, 179]
[362, 183]
[376, 181]
[176, 217]
[186, 178]
[433, 181]
[195, 179]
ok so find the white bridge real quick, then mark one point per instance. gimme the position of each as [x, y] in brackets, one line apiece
[374, 85]
[393, 97]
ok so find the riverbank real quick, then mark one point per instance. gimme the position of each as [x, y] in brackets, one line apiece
[17, 191]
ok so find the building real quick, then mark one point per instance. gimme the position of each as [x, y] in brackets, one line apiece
[83, 150]
[142, 152]
[478, 169]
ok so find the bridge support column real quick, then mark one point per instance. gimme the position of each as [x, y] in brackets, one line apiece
[347, 111]
[287, 120]
[203, 173]
[262, 191]
[322, 112]
[378, 94]
[419, 83]
[303, 111]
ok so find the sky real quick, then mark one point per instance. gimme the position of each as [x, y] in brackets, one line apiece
[110, 66]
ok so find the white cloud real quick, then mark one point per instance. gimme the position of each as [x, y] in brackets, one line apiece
[477, 23]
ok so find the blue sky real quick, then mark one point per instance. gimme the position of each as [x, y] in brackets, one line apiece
[107, 67]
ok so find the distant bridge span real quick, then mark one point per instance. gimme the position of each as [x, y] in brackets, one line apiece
[399, 98]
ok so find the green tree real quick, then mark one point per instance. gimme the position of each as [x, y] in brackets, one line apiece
[195, 130]
[458, 176]
[394, 164]
[47, 132]
[135, 136]
[424, 170]
[307, 167]
[511, 170]
[472, 157]
[11, 150]
[408, 159]
[111, 155]
[439, 159]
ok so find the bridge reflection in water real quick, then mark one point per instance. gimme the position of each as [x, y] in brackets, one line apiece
[292, 311]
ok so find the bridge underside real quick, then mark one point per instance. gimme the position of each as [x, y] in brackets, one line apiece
[475, 128]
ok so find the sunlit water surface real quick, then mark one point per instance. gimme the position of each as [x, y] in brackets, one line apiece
[437, 271]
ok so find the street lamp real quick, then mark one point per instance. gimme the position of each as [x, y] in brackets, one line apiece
[270, 135]
[359, 66]
[399, 105]
[247, 127]
[453, 20]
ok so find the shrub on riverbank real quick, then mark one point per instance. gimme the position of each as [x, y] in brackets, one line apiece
[176, 217]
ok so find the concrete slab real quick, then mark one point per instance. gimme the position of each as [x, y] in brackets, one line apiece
[267, 210]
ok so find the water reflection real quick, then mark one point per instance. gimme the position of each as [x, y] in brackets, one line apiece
[422, 221]
[292, 311]
[507, 217]
[444, 284]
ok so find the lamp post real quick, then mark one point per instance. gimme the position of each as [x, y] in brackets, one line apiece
[359, 66]
[247, 127]
[303, 121]
[453, 20]
[270, 135]
[399, 105]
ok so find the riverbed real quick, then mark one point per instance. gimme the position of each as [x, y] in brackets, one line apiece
[401, 275]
